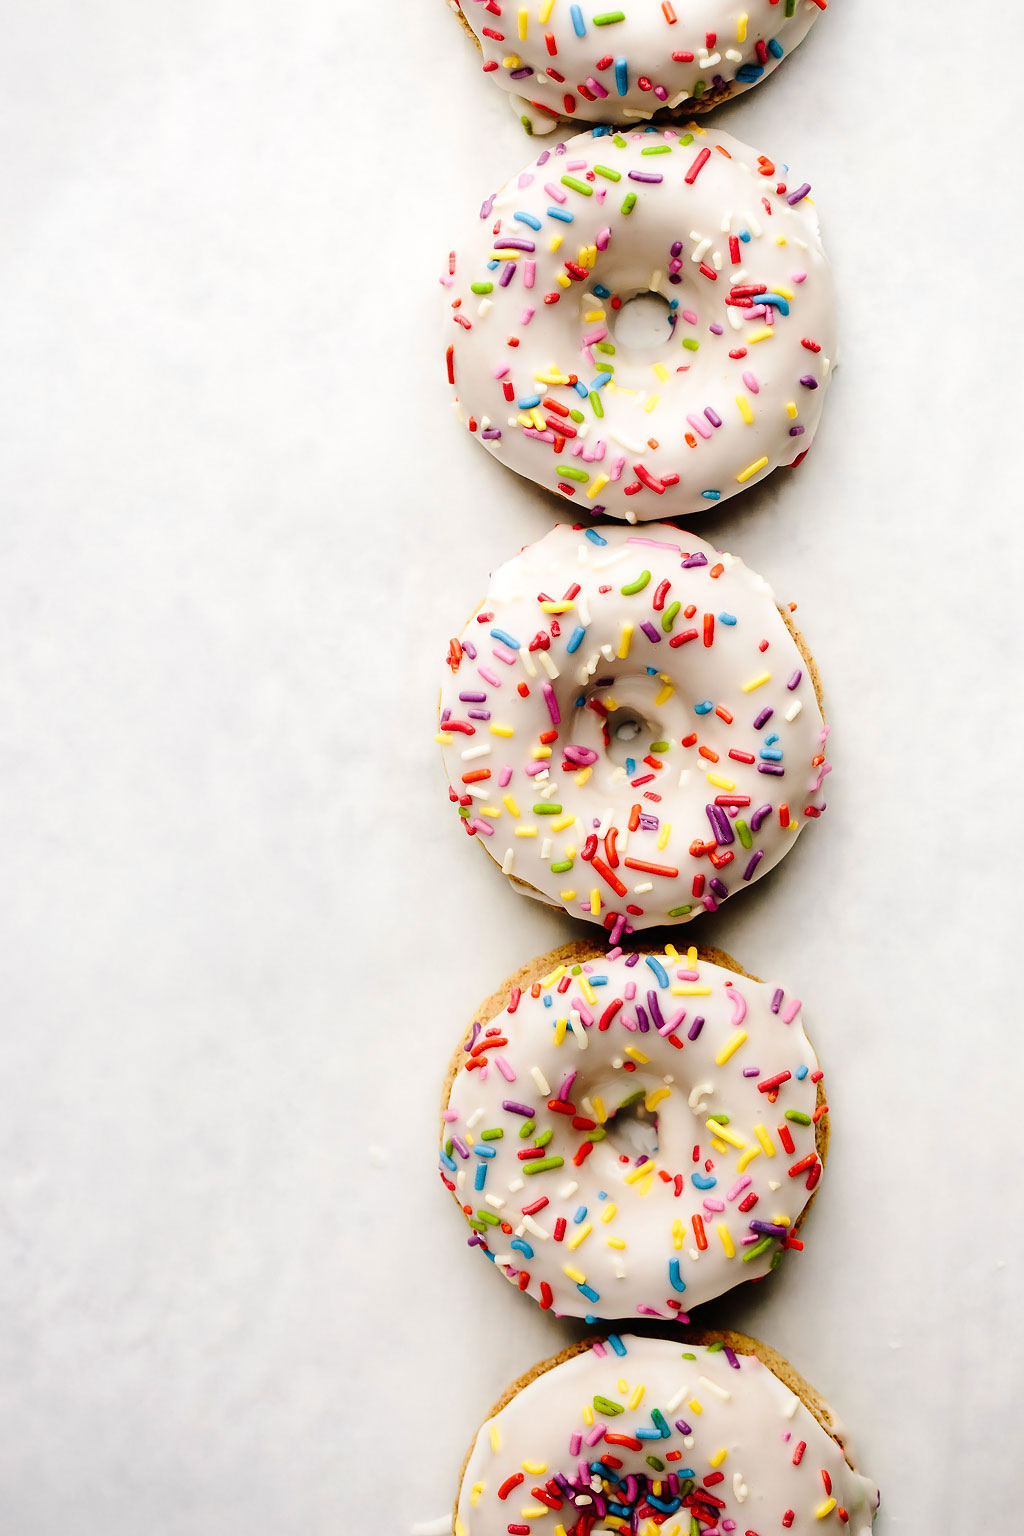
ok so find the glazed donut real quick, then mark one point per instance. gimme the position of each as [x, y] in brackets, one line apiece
[622, 66]
[630, 726]
[633, 1135]
[713, 1433]
[546, 373]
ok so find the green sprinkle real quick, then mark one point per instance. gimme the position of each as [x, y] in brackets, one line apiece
[758, 1249]
[545, 1137]
[576, 416]
[632, 587]
[607, 172]
[595, 403]
[481, 287]
[690, 344]
[562, 868]
[607, 1407]
[475, 1226]
[495, 1133]
[744, 832]
[652, 1461]
[660, 1421]
[527, 126]
[776, 1259]
[527, 1129]
[718, 1119]
[607, 347]
[618, 141]
[577, 186]
[542, 1164]
[632, 1098]
[464, 810]
[607, 17]
[790, 7]
[688, 1356]
[569, 472]
[597, 1134]
[700, 88]
[668, 618]
[545, 808]
[719, 1344]
[658, 149]
[661, 746]
[681, 911]
[629, 203]
[798, 1117]
[488, 1217]
[687, 138]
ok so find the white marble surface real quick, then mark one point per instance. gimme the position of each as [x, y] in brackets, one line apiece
[238, 928]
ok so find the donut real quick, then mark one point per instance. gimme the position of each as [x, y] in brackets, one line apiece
[630, 726]
[714, 1432]
[559, 60]
[725, 385]
[633, 1134]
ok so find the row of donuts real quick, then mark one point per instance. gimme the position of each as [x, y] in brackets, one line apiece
[632, 729]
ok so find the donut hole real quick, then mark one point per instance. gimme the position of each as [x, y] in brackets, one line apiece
[644, 325]
[632, 1129]
[629, 736]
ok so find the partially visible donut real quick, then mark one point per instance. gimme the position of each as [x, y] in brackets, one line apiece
[634, 1134]
[630, 727]
[706, 398]
[713, 1433]
[611, 64]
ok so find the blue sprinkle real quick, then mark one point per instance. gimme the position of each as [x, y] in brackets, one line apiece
[589, 1292]
[489, 1254]
[558, 213]
[659, 971]
[675, 1278]
[647, 1434]
[621, 77]
[775, 48]
[771, 754]
[601, 291]
[602, 1194]
[631, 765]
[702, 1181]
[579, 1214]
[480, 1178]
[547, 1000]
[748, 73]
[666, 1509]
[527, 402]
[599, 981]
[485, 1152]
[659, 1419]
[801, 1073]
[581, 389]
[601, 380]
[527, 218]
[770, 741]
[774, 298]
[449, 1162]
[579, 26]
[522, 1247]
[601, 132]
[575, 639]
[703, 709]
[491, 265]
[506, 639]
[745, 236]
[712, 495]
[617, 1344]
[652, 671]
[727, 618]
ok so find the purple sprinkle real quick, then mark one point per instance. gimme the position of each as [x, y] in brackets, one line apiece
[650, 631]
[470, 649]
[520, 74]
[793, 198]
[712, 416]
[508, 274]
[808, 381]
[695, 1028]
[720, 889]
[477, 1027]
[763, 718]
[754, 862]
[720, 825]
[768, 1228]
[514, 243]
[730, 1356]
[683, 1427]
[775, 768]
[797, 431]
[776, 1002]
[655, 1007]
[677, 246]
[479, 714]
[446, 714]
[794, 680]
[460, 1146]
[472, 698]
[631, 960]
[751, 1071]
[759, 816]
[563, 1092]
[715, 328]
[692, 561]
[488, 207]
[644, 175]
[642, 1020]
[518, 1109]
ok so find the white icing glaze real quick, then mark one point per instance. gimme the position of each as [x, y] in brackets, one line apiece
[733, 390]
[557, 63]
[650, 1215]
[697, 659]
[725, 1419]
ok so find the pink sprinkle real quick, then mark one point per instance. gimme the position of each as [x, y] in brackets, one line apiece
[602, 240]
[800, 276]
[751, 383]
[792, 1011]
[739, 1187]
[504, 776]
[529, 273]
[552, 703]
[489, 676]
[502, 1064]
[555, 192]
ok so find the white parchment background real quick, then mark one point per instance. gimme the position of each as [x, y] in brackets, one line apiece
[239, 931]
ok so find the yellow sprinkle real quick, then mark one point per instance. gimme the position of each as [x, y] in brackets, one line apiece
[781, 239]
[555, 243]
[730, 1253]
[535, 1468]
[502, 730]
[637, 1398]
[755, 682]
[567, 895]
[765, 1140]
[545, 10]
[651, 402]
[561, 1026]
[594, 314]
[556, 607]
[580, 1236]
[474, 1495]
[691, 958]
[553, 976]
[540, 752]
[583, 775]
[744, 408]
[720, 783]
[636, 1174]
[615, 1242]
[574, 1274]
[663, 836]
[693, 1403]
[678, 1233]
[824, 1509]
[719, 1456]
[639, 1056]
[689, 989]
[598, 484]
[589, 994]
[561, 824]
[730, 1047]
[608, 1214]
[495, 1438]
[444, 739]
[600, 1113]
[512, 61]
[741, 37]
[523, 19]
[588, 1414]
[538, 419]
[752, 469]
[624, 643]
[748, 1157]
[551, 378]
[723, 1130]
[664, 694]
[662, 372]
[765, 334]
[525, 831]
[595, 902]
[533, 1511]
[791, 410]
[718, 1146]
[563, 279]
[490, 811]
[503, 255]
[671, 951]
[609, 703]
[654, 1099]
